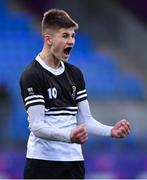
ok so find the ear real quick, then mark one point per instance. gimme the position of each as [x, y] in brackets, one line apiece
[48, 39]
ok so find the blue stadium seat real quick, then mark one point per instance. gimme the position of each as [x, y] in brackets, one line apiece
[20, 43]
[133, 87]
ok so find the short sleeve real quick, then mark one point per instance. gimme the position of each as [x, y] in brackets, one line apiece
[31, 90]
[81, 94]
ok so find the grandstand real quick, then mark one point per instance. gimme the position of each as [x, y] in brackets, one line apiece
[115, 75]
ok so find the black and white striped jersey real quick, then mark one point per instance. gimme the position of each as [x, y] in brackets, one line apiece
[59, 91]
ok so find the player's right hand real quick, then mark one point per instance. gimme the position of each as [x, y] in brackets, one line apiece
[79, 135]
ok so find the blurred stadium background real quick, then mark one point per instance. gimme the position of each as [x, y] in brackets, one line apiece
[111, 50]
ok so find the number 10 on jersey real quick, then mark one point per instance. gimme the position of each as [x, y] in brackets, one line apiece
[52, 92]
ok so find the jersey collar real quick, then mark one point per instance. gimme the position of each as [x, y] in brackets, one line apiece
[56, 72]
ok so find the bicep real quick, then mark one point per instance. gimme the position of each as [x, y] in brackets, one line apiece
[84, 113]
[36, 117]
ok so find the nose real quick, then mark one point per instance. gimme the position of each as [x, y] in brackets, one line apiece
[71, 41]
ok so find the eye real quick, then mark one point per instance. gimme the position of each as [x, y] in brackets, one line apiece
[65, 35]
[73, 35]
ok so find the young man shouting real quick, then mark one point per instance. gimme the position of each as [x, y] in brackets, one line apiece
[55, 99]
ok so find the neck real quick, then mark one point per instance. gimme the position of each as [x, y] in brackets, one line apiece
[49, 59]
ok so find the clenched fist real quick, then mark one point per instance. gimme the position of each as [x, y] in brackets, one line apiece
[79, 135]
[121, 129]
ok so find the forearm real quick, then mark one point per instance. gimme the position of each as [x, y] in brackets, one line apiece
[92, 125]
[95, 127]
[43, 130]
[53, 134]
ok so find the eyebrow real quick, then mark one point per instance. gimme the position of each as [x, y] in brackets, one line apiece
[69, 33]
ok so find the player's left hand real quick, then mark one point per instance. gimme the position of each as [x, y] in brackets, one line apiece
[121, 129]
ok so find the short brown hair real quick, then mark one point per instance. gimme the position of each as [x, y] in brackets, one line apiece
[55, 19]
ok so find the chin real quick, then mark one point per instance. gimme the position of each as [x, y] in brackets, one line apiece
[65, 60]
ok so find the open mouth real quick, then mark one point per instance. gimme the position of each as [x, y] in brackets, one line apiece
[67, 50]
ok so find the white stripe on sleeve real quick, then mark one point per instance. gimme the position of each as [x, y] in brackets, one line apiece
[34, 96]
